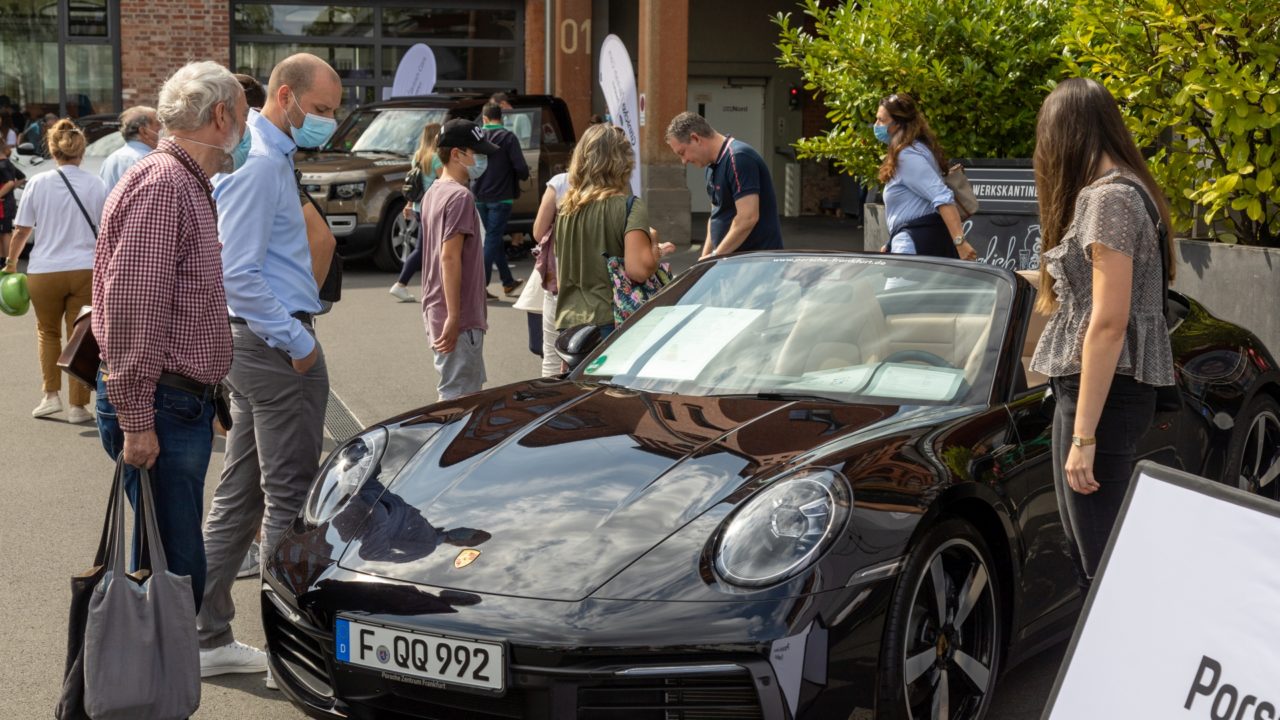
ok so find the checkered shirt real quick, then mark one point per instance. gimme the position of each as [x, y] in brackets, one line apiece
[158, 302]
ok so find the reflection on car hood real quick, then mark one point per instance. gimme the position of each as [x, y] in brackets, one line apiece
[560, 486]
[317, 167]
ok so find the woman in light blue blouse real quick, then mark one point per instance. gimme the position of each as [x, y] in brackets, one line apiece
[920, 209]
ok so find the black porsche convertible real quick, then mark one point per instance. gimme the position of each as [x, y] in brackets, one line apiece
[792, 486]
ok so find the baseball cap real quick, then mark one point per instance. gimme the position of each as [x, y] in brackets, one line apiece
[460, 133]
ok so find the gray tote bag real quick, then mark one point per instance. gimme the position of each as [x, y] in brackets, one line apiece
[141, 655]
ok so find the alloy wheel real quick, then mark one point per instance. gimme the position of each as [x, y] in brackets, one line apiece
[404, 237]
[952, 635]
[1260, 462]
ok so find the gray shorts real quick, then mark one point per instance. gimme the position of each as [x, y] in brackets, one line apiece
[462, 371]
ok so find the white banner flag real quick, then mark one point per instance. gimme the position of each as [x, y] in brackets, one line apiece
[618, 81]
[416, 74]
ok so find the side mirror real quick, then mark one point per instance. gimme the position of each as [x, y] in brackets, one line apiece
[575, 344]
[26, 148]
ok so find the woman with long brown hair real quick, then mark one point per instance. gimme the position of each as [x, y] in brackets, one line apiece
[1104, 268]
[599, 217]
[919, 208]
[66, 204]
[428, 167]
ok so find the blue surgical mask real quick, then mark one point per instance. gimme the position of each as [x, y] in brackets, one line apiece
[481, 164]
[241, 152]
[315, 131]
[882, 133]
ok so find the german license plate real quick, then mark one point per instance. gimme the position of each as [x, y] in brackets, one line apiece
[447, 660]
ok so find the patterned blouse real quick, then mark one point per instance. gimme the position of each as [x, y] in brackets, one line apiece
[1113, 214]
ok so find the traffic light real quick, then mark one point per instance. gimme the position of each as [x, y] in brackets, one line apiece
[793, 98]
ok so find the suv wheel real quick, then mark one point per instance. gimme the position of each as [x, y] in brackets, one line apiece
[398, 239]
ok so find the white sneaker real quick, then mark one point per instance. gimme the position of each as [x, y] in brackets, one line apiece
[249, 566]
[47, 407]
[233, 658]
[401, 293]
[271, 682]
[79, 414]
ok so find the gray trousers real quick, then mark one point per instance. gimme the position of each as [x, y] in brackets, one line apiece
[273, 453]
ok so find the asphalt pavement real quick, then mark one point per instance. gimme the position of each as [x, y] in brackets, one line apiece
[55, 478]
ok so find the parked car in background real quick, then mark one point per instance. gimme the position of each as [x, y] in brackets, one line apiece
[357, 177]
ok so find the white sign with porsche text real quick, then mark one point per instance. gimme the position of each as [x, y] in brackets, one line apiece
[1183, 620]
[618, 81]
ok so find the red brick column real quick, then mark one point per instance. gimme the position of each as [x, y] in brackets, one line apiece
[664, 82]
[573, 52]
[159, 36]
[535, 46]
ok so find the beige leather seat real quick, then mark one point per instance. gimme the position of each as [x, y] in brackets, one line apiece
[832, 332]
[1035, 328]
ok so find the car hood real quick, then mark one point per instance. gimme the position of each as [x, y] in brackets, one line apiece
[320, 167]
[559, 487]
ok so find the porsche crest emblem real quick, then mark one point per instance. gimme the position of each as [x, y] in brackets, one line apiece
[465, 558]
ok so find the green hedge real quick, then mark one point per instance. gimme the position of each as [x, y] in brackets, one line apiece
[1200, 80]
[979, 69]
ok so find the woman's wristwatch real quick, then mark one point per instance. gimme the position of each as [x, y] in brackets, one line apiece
[1080, 441]
[958, 240]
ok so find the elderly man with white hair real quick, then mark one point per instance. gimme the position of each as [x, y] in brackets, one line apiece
[159, 310]
[141, 130]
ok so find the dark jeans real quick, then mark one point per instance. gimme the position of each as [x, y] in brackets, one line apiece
[494, 216]
[184, 428]
[415, 259]
[1128, 412]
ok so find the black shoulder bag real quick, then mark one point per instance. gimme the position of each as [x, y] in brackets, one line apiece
[1168, 397]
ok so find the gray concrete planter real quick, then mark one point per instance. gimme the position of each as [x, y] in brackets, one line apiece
[1236, 283]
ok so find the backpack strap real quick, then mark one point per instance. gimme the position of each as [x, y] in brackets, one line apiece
[1162, 233]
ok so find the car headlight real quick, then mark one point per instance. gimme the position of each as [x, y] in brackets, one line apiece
[783, 528]
[343, 474]
[348, 191]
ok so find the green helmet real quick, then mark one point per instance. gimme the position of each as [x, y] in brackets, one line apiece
[14, 299]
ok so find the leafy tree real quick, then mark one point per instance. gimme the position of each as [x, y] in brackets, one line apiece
[1200, 79]
[979, 68]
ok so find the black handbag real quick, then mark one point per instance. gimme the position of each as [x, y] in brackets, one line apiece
[71, 701]
[1168, 397]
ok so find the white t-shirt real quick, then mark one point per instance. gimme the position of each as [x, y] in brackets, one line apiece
[560, 184]
[11, 138]
[63, 239]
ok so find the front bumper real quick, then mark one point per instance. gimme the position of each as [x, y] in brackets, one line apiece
[702, 681]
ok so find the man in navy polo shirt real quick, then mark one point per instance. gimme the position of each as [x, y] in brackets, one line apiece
[744, 208]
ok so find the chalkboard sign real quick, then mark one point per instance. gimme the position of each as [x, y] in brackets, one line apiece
[1006, 229]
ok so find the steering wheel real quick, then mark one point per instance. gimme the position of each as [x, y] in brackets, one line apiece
[921, 356]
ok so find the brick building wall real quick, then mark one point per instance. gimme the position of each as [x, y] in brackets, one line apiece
[159, 36]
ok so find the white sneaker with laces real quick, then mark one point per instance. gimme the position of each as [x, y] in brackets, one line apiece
[47, 407]
[249, 566]
[79, 414]
[233, 658]
[401, 293]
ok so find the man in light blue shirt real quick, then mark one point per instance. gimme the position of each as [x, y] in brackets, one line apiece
[278, 383]
[141, 130]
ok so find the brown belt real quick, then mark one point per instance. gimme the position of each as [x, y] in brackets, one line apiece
[178, 382]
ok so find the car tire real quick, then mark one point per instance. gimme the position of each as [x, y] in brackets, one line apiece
[397, 238]
[1253, 455]
[932, 665]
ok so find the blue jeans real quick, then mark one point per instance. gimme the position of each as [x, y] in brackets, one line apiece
[184, 428]
[494, 216]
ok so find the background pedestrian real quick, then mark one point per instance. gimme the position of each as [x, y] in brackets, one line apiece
[427, 165]
[599, 217]
[11, 178]
[744, 206]
[67, 207]
[496, 191]
[544, 229]
[453, 282]
[1103, 274]
[919, 208]
[141, 131]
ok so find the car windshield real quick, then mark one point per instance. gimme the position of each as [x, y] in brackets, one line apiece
[847, 328]
[393, 131]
